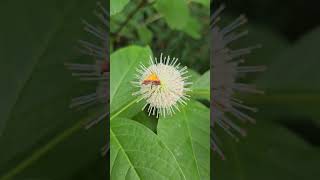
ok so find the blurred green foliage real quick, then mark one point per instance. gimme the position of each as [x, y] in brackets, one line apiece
[178, 28]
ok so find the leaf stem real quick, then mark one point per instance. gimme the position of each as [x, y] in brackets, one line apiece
[124, 108]
[153, 18]
[42, 151]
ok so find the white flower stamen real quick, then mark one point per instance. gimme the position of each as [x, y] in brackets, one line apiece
[162, 85]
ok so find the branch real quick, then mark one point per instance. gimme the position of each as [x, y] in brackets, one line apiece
[140, 5]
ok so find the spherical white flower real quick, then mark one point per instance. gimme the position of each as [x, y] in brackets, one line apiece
[98, 70]
[225, 71]
[163, 85]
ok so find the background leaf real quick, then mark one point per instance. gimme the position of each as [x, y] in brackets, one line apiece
[145, 34]
[193, 28]
[169, 9]
[117, 6]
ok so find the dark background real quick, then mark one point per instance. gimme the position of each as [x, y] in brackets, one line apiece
[284, 143]
[41, 137]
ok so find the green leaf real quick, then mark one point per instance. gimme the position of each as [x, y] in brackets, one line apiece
[20, 66]
[267, 148]
[296, 70]
[187, 135]
[137, 153]
[123, 65]
[201, 87]
[65, 148]
[117, 6]
[176, 12]
[194, 75]
[148, 121]
[193, 28]
[290, 82]
[145, 34]
[39, 89]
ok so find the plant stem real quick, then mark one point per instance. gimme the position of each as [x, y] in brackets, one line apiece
[153, 18]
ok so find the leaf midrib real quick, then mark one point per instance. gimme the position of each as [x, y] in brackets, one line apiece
[39, 153]
[190, 137]
[175, 159]
[37, 57]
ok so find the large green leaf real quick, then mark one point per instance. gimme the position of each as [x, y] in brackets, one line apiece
[37, 31]
[187, 135]
[79, 151]
[124, 63]
[176, 12]
[117, 6]
[36, 42]
[137, 153]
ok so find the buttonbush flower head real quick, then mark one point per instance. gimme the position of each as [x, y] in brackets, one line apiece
[163, 85]
[97, 70]
[226, 69]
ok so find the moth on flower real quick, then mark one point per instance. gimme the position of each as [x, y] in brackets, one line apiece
[225, 71]
[163, 85]
[97, 71]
